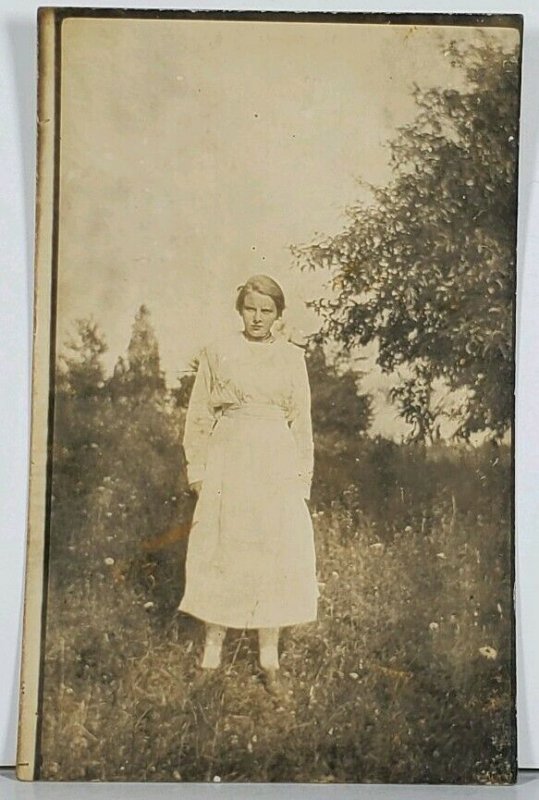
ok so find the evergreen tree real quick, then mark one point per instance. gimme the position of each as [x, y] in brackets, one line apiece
[143, 374]
[80, 369]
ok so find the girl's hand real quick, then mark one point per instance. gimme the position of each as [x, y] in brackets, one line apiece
[196, 487]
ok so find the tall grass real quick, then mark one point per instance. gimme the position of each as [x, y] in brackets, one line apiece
[405, 677]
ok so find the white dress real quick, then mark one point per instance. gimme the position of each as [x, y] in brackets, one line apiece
[248, 438]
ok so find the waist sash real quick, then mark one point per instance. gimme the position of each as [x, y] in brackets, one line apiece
[255, 410]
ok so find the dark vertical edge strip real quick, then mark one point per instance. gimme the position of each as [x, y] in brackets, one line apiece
[52, 381]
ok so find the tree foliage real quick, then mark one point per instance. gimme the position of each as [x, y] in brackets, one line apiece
[337, 405]
[140, 375]
[181, 394]
[427, 268]
[118, 467]
[80, 369]
[143, 354]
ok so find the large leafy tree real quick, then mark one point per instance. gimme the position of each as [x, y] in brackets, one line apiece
[426, 268]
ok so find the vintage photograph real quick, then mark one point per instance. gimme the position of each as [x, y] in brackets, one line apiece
[271, 509]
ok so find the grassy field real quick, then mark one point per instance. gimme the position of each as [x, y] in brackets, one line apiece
[405, 677]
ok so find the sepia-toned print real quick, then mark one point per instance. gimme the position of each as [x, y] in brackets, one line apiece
[271, 494]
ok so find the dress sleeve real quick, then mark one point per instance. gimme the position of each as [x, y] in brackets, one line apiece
[301, 425]
[199, 422]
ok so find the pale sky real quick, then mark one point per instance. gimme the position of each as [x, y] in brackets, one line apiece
[195, 153]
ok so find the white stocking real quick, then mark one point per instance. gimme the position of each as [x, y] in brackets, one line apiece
[215, 636]
[268, 640]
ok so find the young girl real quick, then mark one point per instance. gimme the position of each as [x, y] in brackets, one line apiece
[248, 444]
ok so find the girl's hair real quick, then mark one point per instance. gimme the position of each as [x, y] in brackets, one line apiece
[264, 285]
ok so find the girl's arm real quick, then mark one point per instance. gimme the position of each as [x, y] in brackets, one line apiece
[301, 425]
[199, 422]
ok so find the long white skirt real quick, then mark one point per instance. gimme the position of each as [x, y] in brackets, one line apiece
[250, 558]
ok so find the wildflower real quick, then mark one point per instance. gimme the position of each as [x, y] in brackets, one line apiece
[109, 561]
[488, 652]
[433, 626]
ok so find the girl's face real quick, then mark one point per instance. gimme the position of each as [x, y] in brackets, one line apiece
[259, 312]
